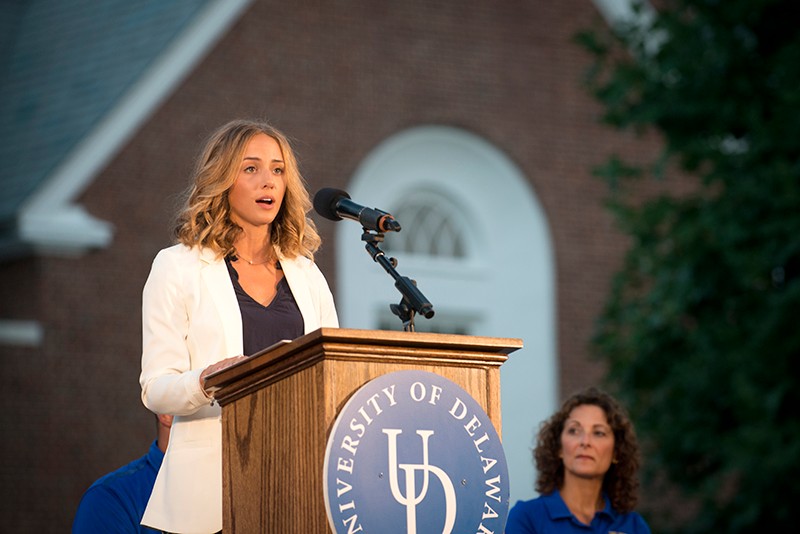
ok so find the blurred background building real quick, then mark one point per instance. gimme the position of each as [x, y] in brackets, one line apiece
[465, 119]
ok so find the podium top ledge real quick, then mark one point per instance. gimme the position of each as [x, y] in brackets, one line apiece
[326, 339]
[499, 345]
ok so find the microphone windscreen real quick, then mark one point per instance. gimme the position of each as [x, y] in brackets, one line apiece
[325, 202]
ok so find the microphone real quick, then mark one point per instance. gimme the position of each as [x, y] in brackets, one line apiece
[335, 204]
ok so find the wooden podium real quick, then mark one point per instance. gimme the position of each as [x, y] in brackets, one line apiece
[278, 409]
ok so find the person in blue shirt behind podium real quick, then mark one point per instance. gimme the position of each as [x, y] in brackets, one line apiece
[114, 504]
[241, 278]
[587, 459]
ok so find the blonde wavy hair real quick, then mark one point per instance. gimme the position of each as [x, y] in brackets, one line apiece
[205, 220]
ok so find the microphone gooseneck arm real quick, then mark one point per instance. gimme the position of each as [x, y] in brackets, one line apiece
[413, 300]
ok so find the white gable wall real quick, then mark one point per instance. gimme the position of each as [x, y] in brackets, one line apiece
[504, 287]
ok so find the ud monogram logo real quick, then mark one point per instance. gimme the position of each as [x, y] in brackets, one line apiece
[410, 499]
[413, 453]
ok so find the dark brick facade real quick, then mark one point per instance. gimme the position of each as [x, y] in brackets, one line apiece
[339, 77]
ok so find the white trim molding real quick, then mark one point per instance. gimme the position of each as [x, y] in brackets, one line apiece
[619, 11]
[20, 333]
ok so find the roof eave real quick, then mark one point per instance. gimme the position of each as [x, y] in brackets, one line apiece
[66, 230]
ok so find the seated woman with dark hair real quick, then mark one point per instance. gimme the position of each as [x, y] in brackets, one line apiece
[587, 459]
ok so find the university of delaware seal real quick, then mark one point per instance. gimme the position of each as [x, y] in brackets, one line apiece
[412, 452]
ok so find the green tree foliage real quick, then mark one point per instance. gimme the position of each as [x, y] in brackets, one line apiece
[702, 328]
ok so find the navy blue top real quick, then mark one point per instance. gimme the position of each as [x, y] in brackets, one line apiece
[548, 514]
[115, 503]
[263, 326]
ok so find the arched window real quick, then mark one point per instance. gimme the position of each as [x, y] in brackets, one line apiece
[431, 227]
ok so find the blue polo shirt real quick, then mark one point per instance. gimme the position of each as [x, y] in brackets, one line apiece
[548, 514]
[115, 503]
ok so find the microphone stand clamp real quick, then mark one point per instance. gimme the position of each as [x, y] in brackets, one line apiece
[413, 300]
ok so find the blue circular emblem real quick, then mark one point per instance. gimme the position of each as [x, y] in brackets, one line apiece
[412, 452]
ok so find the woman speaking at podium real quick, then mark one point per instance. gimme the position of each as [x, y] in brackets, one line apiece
[241, 278]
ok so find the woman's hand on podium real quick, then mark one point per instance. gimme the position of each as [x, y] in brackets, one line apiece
[214, 367]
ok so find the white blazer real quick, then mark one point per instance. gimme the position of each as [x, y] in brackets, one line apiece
[191, 319]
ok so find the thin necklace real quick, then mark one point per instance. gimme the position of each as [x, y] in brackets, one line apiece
[238, 255]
